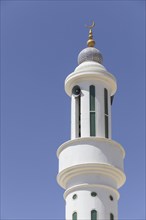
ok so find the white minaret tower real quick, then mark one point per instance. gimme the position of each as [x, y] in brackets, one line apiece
[91, 163]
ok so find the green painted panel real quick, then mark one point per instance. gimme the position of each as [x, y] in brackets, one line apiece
[93, 215]
[92, 98]
[106, 126]
[111, 216]
[74, 216]
[79, 112]
[92, 124]
[106, 101]
[106, 112]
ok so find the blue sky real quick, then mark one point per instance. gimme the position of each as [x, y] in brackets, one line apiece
[40, 42]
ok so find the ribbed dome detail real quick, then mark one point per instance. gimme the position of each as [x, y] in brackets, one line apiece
[90, 54]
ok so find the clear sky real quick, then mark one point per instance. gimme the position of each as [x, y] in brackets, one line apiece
[40, 42]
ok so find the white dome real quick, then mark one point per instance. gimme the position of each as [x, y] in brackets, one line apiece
[90, 54]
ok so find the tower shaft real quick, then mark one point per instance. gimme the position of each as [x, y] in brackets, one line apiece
[91, 163]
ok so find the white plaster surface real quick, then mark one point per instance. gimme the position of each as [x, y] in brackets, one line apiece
[93, 150]
[84, 203]
[88, 164]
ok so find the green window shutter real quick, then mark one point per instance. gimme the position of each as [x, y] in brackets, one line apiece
[74, 216]
[92, 98]
[92, 123]
[92, 111]
[106, 101]
[93, 215]
[111, 216]
[106, 112]
[79, 112]
[106, 126]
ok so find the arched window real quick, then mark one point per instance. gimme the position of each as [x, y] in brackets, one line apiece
[74, 216]
[111, 216]
[106, 112]
[93, 215]
[92, 111]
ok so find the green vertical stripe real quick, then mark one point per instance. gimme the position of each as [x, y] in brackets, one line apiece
[111, 216]
[106, 112]
[106, 101]
[79, 112]
[74, 216]
[106, 126]
[92, 98]
[93, 215]
[92, 124]
[92, 111]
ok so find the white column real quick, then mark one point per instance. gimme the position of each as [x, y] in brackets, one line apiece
[100, 131]
[85, 116]
[74, 117]
[82, 202]
[109, 115]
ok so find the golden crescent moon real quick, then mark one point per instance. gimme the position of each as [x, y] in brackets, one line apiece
[91, 26]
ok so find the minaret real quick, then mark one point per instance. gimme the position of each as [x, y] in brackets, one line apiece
[91, 163]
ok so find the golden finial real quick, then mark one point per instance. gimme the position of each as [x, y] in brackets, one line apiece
[90, 42]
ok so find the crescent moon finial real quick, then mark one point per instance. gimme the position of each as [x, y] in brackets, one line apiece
[90, 26]
[90, 42]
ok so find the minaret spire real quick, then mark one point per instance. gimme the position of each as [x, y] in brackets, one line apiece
[90, 42]
[91, 163]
